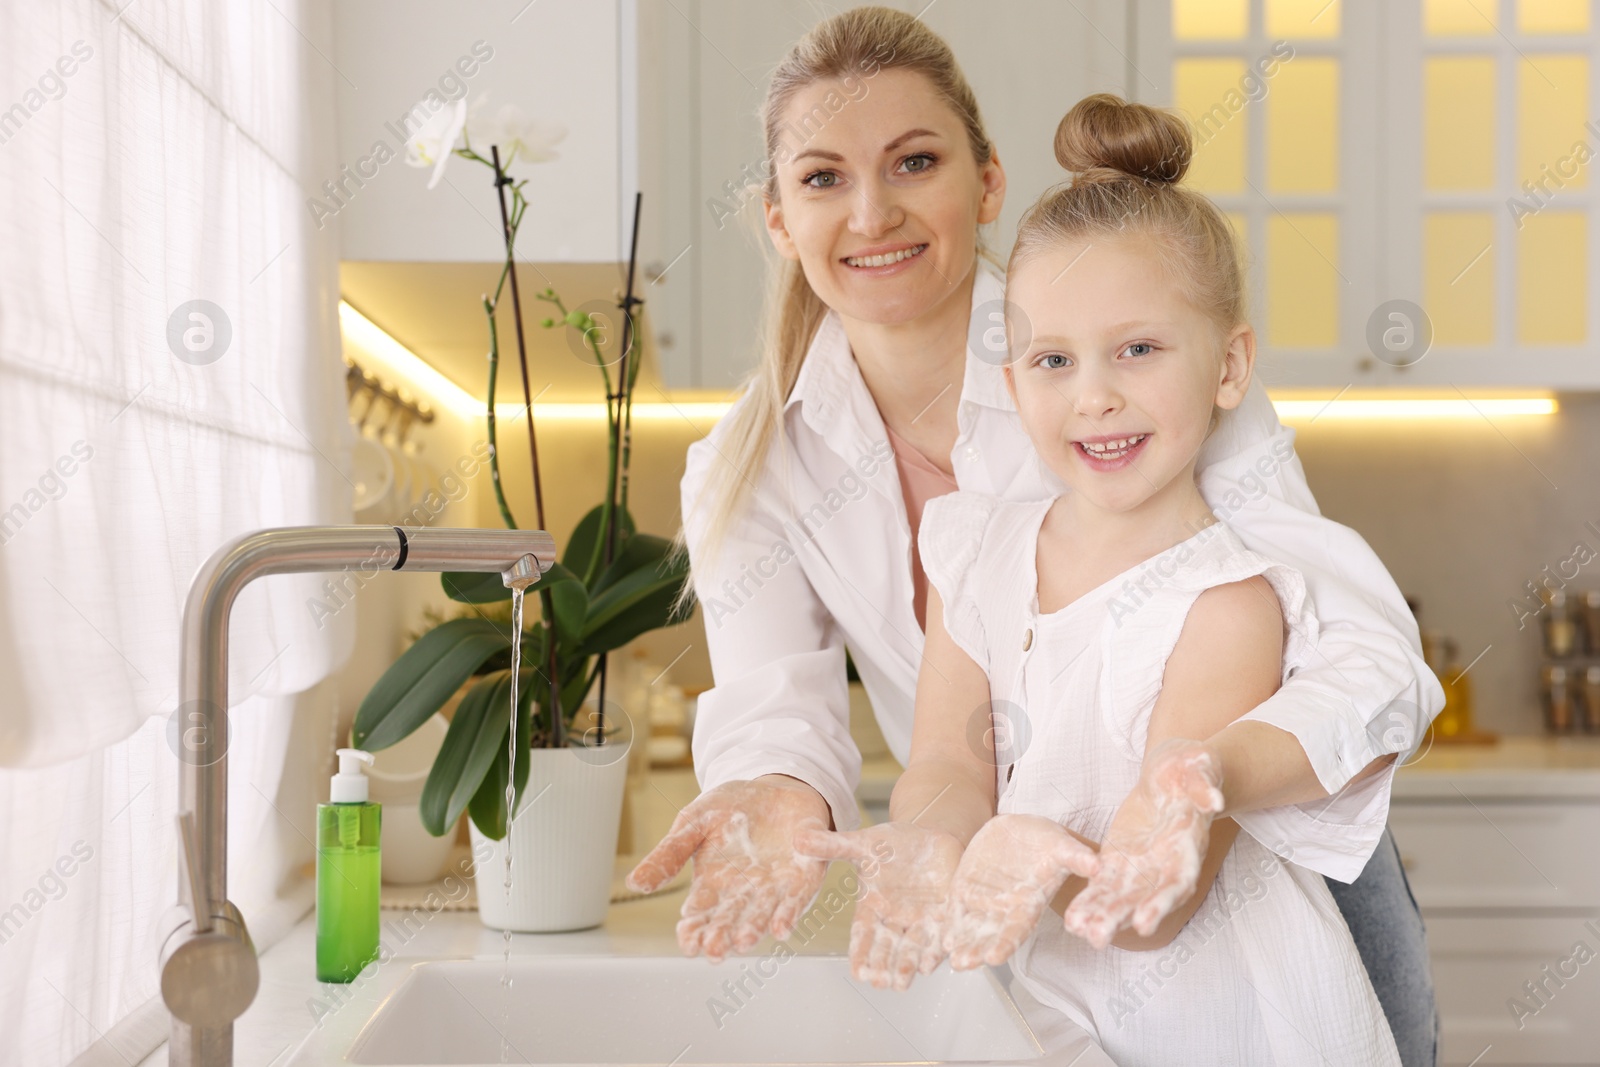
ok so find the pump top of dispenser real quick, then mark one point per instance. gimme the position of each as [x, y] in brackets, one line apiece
[350, 785]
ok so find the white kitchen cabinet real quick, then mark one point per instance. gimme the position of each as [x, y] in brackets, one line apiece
[1502, 850]
[1481, 963]
[571, 63]
[1500, 854]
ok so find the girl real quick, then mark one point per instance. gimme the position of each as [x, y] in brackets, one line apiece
[876, 391]
[1123, 617]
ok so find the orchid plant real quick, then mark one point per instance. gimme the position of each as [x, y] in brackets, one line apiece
[612, 584]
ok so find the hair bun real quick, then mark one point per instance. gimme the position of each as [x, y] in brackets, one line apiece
[1105, 137]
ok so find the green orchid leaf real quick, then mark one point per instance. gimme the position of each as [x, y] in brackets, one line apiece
[474, 587]
[528, 695]
[570, 601]
[637, 601]
[424, 677]
[581, 545]
[488, 805]
[579, 680]
[634, 554]
[639, 613]
[476, 732]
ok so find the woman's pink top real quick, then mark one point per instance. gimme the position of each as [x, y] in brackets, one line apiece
[920, 481]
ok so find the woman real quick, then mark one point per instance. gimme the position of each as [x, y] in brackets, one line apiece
[879, 387]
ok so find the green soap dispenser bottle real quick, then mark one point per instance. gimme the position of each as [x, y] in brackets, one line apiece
[348, 873]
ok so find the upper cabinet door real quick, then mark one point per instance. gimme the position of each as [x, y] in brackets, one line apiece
[1494, 213]
[398, 61]
[703, 72]
[1283, 98]
[1410, 180]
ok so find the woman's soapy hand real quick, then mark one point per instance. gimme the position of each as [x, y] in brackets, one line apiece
[1008, 875]
[905, 870]
[748, 879]
[1150, 858]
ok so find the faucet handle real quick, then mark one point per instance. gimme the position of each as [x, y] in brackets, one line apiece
[189, 860]
[209, 970]
[208, 979]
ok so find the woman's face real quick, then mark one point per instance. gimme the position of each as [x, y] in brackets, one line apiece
[878, 195]
[1122, 372]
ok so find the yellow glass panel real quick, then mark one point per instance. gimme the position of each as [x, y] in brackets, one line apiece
[1553, 16]
[1552, 276]
[1302, 18]
[1241, 238]
[1551, 93]
[1458, 126]
[1302, 282]
[1210, 20]
[1459, 18]
[1458, 276]
[1303, 127]
[1241, 229]
[1208, 91]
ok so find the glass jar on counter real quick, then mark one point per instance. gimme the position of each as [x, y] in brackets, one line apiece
[1455, 718]
[1559, 695]
[1592, 699]
[1589, 611]
[1559, 628]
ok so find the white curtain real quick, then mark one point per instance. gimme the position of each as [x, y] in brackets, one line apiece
[154, 153]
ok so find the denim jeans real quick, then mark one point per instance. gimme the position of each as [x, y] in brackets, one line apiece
[1387, 926]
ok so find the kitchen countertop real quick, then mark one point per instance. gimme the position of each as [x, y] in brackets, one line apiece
[1515, 766]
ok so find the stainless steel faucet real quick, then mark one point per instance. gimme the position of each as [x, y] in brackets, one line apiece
[209, 971]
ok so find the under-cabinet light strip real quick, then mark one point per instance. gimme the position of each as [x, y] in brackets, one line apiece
[377, 344]
[1414, 408]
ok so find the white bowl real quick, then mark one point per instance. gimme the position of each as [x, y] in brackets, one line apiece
[399, 772]
[408, 853]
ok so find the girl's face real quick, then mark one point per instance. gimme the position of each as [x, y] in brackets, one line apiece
[1121, 372]
[878, 195]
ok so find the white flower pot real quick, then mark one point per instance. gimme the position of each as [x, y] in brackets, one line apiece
[563, 844]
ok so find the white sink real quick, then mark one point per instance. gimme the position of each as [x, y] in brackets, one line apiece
[667, 1010]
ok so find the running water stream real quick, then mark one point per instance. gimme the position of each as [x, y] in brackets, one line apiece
[517, 591]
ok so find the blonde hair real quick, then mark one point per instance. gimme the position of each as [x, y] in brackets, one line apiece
[861, 41]
[1127, 160]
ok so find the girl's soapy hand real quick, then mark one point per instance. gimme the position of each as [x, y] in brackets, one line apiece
[1150, 858]
[905, 870]
[1010, 871]
[748, 880]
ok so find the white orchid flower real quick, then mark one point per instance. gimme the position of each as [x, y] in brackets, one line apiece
[522, 140]
[435, 140]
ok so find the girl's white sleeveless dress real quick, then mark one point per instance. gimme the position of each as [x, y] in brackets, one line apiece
[1265, 973]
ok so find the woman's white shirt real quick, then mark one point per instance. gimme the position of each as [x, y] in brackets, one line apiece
[820, 558]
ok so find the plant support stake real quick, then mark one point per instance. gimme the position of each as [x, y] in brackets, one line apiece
[621, 428]
[546, 601]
